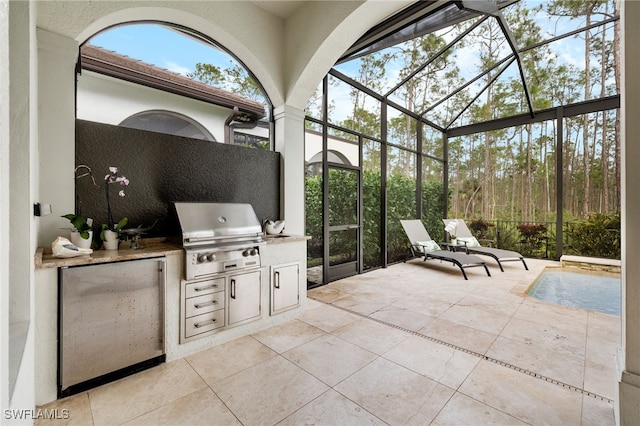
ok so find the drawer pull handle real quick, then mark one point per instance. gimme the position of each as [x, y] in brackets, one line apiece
[203, 304]
[276, 280]
[208, 287]
[203, 323]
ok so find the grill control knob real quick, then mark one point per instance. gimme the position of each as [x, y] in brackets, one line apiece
[253, 252]
[245, 253]
[202, 258]
[211, 257]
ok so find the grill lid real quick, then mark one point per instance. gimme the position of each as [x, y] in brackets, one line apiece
[206, 223]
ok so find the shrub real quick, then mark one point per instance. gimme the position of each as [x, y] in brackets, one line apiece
[597, 236]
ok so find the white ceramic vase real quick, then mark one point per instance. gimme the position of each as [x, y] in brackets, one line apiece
[78, 241]
[273, 228]
[111, 240]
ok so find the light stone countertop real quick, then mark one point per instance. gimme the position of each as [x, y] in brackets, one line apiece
[153, 247]
[284, 238]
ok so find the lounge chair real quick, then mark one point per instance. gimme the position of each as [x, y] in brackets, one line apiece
[471, 245]
[423, 245]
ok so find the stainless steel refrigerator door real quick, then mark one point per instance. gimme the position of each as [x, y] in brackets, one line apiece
[111, 317]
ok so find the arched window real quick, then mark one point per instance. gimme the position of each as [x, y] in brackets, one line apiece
[172, 123]
[183, 81]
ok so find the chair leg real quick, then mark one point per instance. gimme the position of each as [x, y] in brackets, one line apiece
[486, 269]
[464, 274]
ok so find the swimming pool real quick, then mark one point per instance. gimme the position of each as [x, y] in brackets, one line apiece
[588, 291]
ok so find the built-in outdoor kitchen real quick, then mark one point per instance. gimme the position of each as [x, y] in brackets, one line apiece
[196, 265]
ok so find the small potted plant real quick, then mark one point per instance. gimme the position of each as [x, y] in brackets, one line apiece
[82, 233]
[110, 231]
[111, 237]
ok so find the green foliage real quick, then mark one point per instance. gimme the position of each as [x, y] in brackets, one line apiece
[532, 237]
[401, 204]
[597, 236]
[80, 224]
[233, 78]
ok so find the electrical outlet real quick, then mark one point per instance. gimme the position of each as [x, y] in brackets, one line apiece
[41, 209]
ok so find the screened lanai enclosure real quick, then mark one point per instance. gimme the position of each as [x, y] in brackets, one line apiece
[501, 113]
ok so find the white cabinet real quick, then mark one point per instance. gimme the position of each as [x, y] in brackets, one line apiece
[202, 307]
[285, 287]
[211, 305]
[243, 297]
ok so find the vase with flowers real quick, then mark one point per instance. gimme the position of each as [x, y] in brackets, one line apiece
[110, 232]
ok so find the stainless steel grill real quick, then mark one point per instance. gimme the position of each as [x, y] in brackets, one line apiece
[218, 237]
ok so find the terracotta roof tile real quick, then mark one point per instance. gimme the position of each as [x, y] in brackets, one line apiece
[110, 63]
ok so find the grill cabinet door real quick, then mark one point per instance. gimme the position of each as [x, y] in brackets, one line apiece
[243, 296]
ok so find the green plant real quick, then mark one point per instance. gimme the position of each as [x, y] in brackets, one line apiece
[116, 228]
[597, 236]
[80, 224]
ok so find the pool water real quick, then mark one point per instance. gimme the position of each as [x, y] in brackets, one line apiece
[585, 291]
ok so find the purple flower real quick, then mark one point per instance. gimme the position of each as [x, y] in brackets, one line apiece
[113, 177]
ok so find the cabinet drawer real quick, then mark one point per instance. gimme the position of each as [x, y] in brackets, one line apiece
[203, 323]
[203, 304]
[203, 287]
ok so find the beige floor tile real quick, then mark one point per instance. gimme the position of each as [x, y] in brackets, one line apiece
[287, 336]
[352, 285]
[546, 336]
[431, 307]
[378, 291]
[560, 316]
[360, 304]
[597, 412]
[267, 393]
[74, 410]
[372, 336]
[477, 318]
[438, 362]
[403, 318]
[459, 335]
[462, 410]
[497, 302]
[601, 351]
[198, 408]
[604, 327]
[312, 304]
[125, 399]
[221, 361]
[331, 408]
[525, 397]
[542, 359]
[327, 293]
[330, 358]
[328, 318]
[600, 380]
[395, 394]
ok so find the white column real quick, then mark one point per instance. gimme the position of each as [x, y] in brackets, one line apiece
[289, 140]
[628, 412]
[57, 56]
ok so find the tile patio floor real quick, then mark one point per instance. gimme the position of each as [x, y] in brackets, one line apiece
[409, 344]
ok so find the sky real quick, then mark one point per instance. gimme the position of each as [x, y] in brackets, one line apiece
[160, 46]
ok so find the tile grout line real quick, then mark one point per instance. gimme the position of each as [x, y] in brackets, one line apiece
[477, 354]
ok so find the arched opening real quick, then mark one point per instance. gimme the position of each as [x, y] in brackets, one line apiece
[169, 122]
[132, 68]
